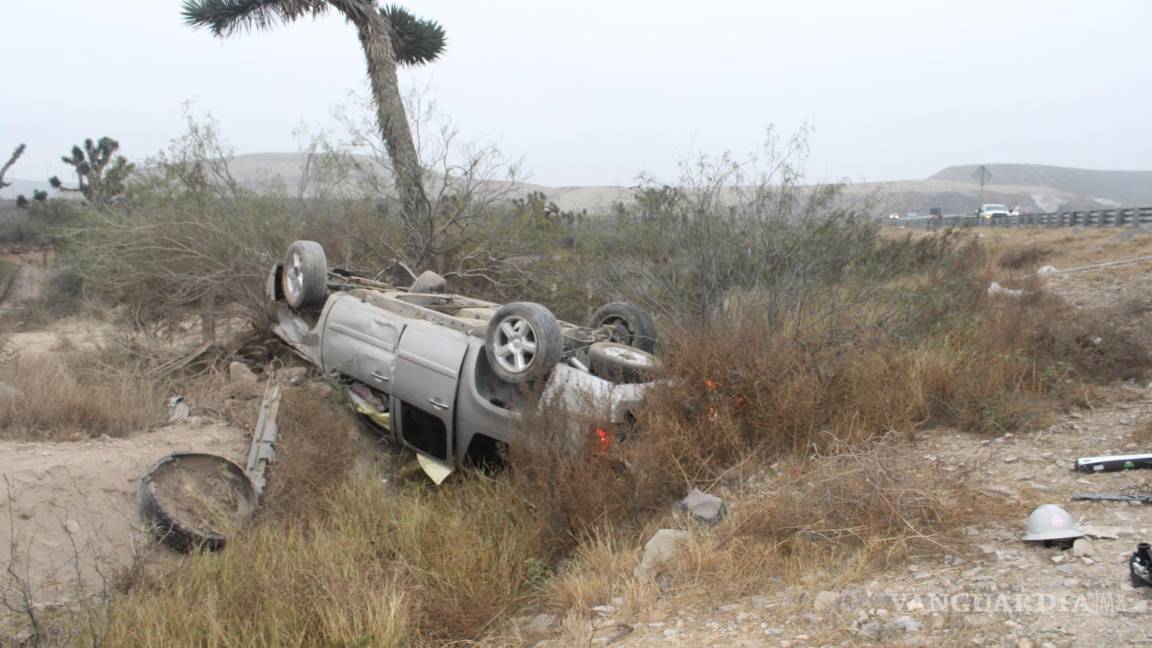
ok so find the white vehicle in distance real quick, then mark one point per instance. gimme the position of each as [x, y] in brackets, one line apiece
[989, 211]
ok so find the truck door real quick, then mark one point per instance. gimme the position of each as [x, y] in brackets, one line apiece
[428, 361]
[359, 341]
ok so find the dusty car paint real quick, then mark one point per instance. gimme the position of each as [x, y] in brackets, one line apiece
[430, 367]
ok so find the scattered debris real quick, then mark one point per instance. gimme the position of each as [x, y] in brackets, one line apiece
[996, 289]
[193, 500]
[1094, 497]
[664, 545]
[704, 507]
[263, 449]
[1050, 522]
[1113, 463]
[178, 409]
[1139, 566]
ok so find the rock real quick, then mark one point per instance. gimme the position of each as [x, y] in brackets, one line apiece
[704, 507]
[429, 282]
[996, 289]
[904, 624]
[540, 624]
[1024, 643]
[1082, 547]
[294, 375]
[1102, 532]
[1058, 558]
[238, 372]
[825, 601]
[603, 610]
[178, 409]
[664, 545]
[1046, 270]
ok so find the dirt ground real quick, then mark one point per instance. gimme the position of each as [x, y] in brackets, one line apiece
[71, 506]
[68, 514]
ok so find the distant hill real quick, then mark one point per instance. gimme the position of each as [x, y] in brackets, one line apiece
[1033, 186]
[1124, 187]
[1036, 187]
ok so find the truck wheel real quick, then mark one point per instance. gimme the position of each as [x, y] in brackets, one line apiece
[305, 275]
[621, 363]
[630, 325]
[523, 342]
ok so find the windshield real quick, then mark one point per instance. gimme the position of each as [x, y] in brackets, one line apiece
[995, 208]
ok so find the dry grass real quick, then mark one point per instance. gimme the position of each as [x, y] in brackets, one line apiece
[75, 394]
[340, 560]
[373, 567]
[815, 524]
[820, 383]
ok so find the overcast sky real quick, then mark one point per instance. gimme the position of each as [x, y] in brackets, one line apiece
[594, 92]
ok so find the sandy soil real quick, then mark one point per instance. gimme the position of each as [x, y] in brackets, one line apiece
[72, 505]
[68, 513]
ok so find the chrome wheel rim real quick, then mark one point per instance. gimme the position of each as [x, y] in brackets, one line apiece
[629, 356]
[294, 278]
[515, 344]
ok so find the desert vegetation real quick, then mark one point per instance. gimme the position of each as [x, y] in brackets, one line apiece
[801, 347]
[799, 342]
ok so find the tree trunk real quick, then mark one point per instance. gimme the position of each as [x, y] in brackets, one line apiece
[376, 40]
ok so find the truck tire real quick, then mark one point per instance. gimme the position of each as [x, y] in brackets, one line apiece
[305, 275]
[621, 363]
[170, 521]
[631, 325]
[523, 342]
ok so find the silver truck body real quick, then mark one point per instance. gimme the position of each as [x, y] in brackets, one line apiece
[422, 356]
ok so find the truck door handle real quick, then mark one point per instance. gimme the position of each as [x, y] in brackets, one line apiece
[437, 403]
[379, 375]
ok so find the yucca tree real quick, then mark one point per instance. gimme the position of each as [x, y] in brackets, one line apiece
[389, 36]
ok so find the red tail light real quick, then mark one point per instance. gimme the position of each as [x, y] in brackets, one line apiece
[603, 438]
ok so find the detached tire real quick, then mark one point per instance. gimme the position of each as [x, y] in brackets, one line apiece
[630, 325]
[621, 363]
[523, 342]
[186, 497]
[305, 275]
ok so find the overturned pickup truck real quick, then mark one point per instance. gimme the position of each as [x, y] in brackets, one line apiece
[443, 373]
